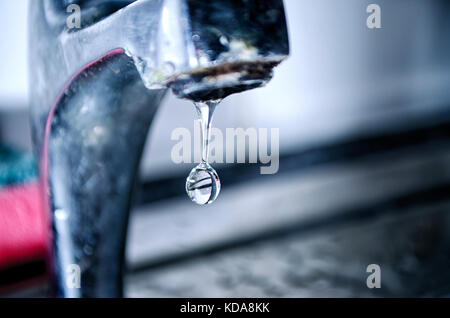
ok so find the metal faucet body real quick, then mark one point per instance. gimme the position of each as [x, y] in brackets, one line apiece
[94, 94]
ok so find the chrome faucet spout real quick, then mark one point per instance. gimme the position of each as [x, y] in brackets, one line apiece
[94, 94]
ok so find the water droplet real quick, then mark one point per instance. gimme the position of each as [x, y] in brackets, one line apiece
[61, 214]
[168, 67]
[87, 249]
[203, 184]
[224, 41]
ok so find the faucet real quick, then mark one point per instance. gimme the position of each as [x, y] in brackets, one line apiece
[94, 94]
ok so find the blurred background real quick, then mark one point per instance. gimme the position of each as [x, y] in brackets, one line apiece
[364, 121]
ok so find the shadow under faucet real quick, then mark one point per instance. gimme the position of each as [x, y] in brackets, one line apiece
[95, 91]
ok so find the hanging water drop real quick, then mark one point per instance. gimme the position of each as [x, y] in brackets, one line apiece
[203, 183]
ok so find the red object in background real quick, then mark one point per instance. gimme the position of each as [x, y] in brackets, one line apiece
[23, 234]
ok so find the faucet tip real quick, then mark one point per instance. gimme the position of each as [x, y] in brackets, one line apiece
[218, 82]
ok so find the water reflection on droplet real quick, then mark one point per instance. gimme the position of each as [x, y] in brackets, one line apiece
[203, 184]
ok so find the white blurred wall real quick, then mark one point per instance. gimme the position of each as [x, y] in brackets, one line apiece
[13, 54]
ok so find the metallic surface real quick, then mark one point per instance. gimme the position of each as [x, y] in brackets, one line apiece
[94, 93]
